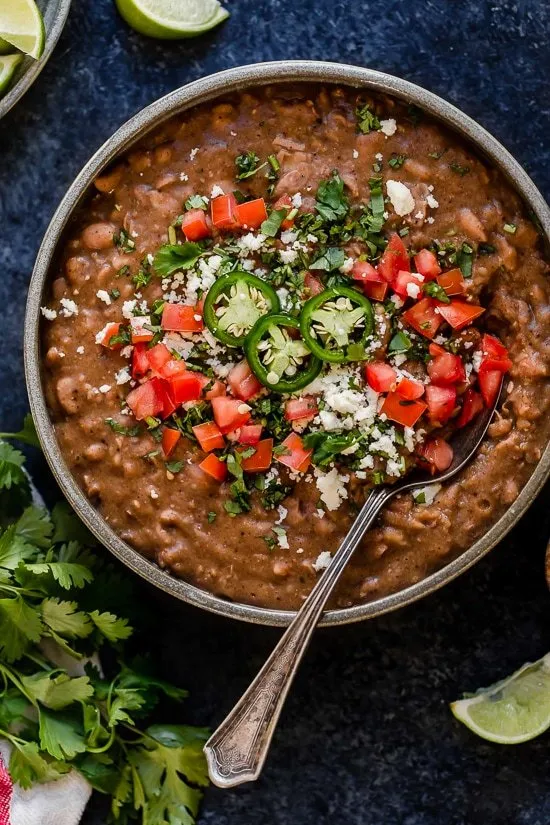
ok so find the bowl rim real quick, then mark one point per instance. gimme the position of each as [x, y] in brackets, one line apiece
[194, 93]
[34, 67]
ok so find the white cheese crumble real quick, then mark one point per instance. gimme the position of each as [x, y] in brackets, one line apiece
[80, 350]
[297, 200]
[322, 561]
[432, 202]
[216, 191]
[69, 307]
[388, 127]
[413, 290]
[104, 296]
[355, 154]
[347, 266]
[426, 495]
[288, 256]
[400, 197]
[332, 487]
[379, 156]
[288, 236]
[105, 388]
[50, 314]
[128, 309]
[123, 376]
[193, 153]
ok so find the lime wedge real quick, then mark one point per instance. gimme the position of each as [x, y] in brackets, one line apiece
[21, 25]
[172, 19]
[512, 711]
[5, 47]
[8, 65]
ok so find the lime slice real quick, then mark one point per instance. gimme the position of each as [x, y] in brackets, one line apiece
[21, 25]
[8, 65]
[5, 47]
[512, 711]
[172, 19]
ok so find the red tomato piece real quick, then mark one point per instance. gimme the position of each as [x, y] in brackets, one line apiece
[295, 456]
[381, 377]
[212, 466]
[394, 259]
[452, 282]
[410, 389]
[218, 388]
[435, 350]
[182, 318]
[230, 413]
[459, 314]
[491, 347]
[441, 402]
[140, 361]
[301, 409]
[446, 369]
[437, 454]
[472, 405]
[489, 384]
[186, 387]
[158, 356]
[313, 284]
[195, 225]
[242, 382]
[209, 436]
[251, 214]
[223, 210]
[402, 281]
[250, 434]
[170, 438]
[140, 335]
[374, 286]
[402, 410]
[427, 264]
[423, 318]
[108, 332]
[147, 400]
[376, 291]
[172, 367]
[285, 202]
[261, 460]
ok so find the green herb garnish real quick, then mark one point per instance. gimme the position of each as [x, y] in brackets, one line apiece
[172, 257]
[367, 121]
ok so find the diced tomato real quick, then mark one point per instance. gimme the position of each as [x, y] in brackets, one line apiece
[140, 335]
[186, 387]
[459, 314]
[182, 318]
[230, 413]
[171, 368]
[209, 436]
[437, 454]
[376, 291]
[446, 369]
[301, 409]
[147, 400]
[313, 284]
[251, 214]
[250, 434]
[170, 438]
[374, 286]
[224, 212]
[427, 264]
[402, 410]
[295, 455]
[261, 460]
[168, 403]
[108, 332]
[140, 361]
[435, 350]
[402, 281]
[394, 258]
[410, 389]
[285, 202]
[212, 466]
[158, 356]
[452, 282]
[195, 225]
[472, 405]
[489, 384]
[441, 402]
[218, 388]
[499, 364]
[381, 377]
[423, 318]
[242, 382]
[491, 347]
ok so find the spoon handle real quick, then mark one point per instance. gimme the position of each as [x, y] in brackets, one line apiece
[236, 751]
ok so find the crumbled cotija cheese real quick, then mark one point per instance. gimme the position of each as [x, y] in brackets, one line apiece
[50, 314]
[332, 487]
[322, 561]
[69, 307]
[388, 127]
[104, 296]
[400, 197]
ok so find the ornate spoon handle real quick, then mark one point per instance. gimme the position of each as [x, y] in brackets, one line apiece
[236, 751]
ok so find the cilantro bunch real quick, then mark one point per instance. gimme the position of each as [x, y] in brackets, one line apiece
[61, 706]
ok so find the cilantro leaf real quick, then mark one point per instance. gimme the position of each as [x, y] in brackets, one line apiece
[28, 766]
[331, 260]
[331, 202]
[327, 445]
[68, 527]
[34, 527]
[272, 224]
[13, 549]
[27, 434]
[11, 463]
[61, 733]
[20, 625]
[367, 121]
[172, 257]
[65, 618]
[56, 690]
[111, 626]
[435, 291]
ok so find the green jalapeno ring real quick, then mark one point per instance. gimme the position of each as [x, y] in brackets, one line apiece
[291, 350]
[316, 303]
[242, 310]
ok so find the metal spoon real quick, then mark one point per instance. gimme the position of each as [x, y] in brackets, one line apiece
[237, 750]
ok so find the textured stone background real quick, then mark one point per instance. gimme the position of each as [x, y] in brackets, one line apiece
[367, 737]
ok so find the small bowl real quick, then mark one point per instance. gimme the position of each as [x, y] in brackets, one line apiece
[195, 93]
[55, 14]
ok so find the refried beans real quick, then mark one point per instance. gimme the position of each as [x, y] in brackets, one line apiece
[371, 280]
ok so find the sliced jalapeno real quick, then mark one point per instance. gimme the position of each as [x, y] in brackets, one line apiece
[234, 303]
[279, 361]
[336, 324]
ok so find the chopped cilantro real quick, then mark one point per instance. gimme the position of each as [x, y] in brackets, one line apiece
[332, 259]
[460, 170]
[121, 429]
[272, 224]
[174, 466]
[331, 203]
[196, 202]
[124, 241]
[172, 257]
[435, 291]
[367, 121]
[400, 342]
[510, 228]
[397, 161]
[465, 259]
[211, 517]
[247, 165]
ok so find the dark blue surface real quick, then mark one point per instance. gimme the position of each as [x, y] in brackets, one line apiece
[367, 737]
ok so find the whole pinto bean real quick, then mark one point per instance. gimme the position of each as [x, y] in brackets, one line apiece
[69, 394]
[98, 235]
